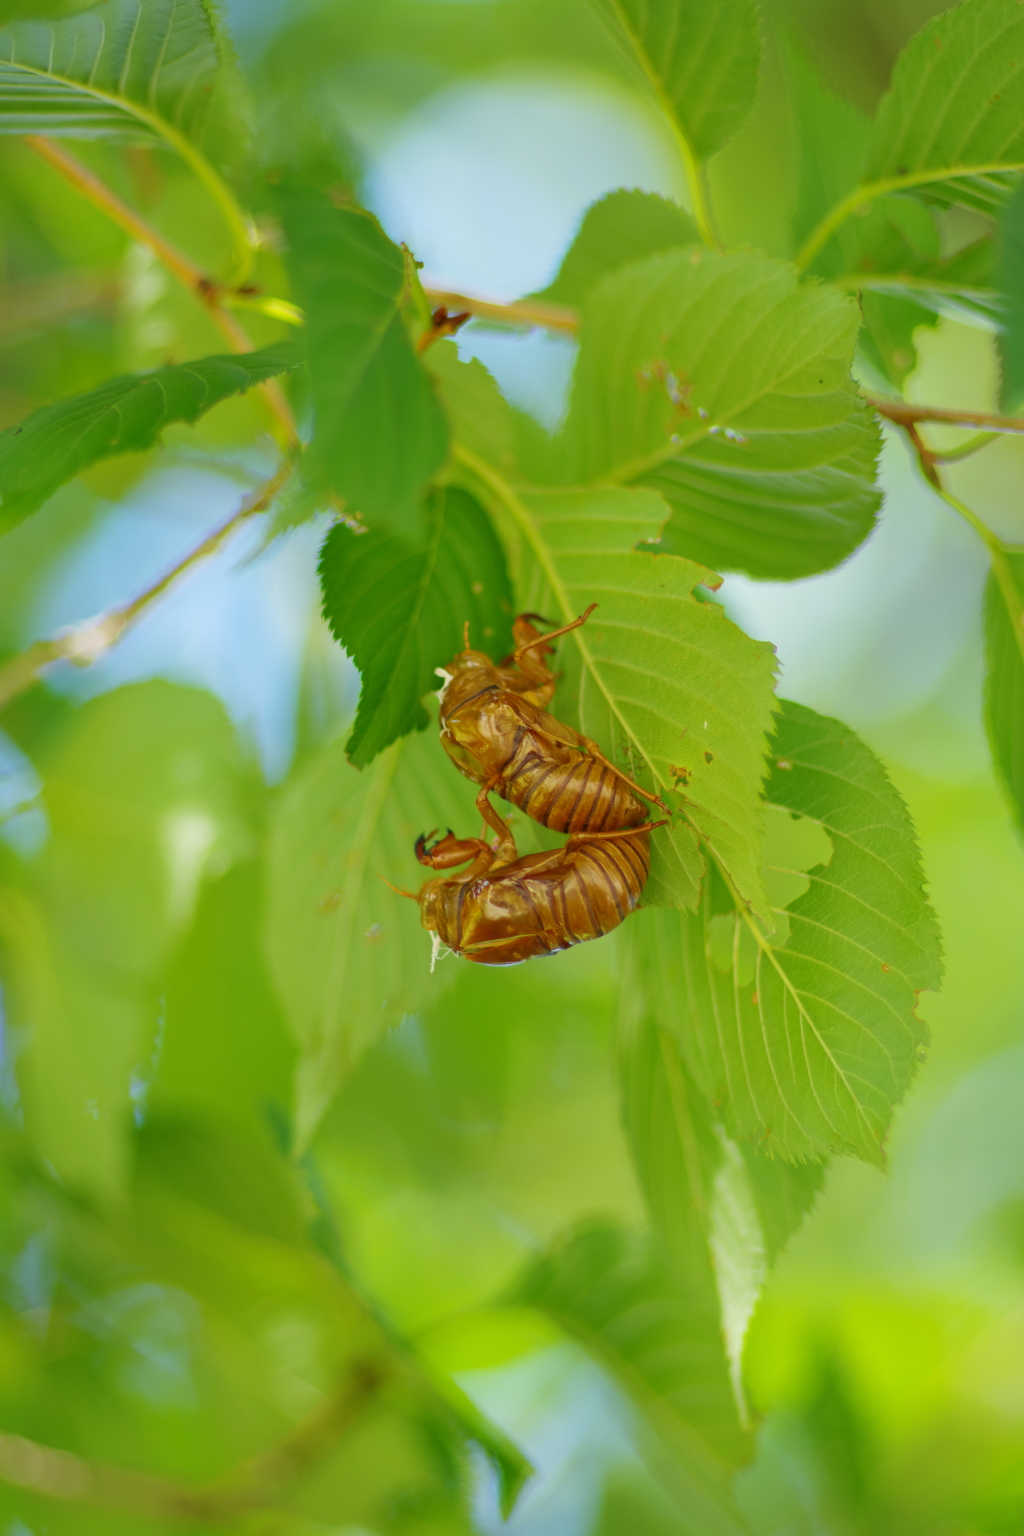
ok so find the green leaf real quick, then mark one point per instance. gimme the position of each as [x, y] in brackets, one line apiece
[887, 341]
[225, 1219]
[478, 412]
[226, 1051]
[380, 432]
[1010, 282]
[954, 112]
[124, 415]
[142, 796]
[724, 383]
[1004, 676]
[399, 610]
[612, 1291]
[86, 1031]
[901, 289]
[348, 955]
[721, 1211]
[701, 61]
[108, 72]
[142, 793]
[894, 245]
[661, 680]
[804, 1045]
[617, 229]
[833, 136]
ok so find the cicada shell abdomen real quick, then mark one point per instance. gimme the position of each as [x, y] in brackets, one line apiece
[539, 904]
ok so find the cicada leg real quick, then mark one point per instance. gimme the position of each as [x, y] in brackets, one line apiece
[451, 851]
[507, 850]
[553, 634]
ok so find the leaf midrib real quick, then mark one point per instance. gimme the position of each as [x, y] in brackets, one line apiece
[353, 883]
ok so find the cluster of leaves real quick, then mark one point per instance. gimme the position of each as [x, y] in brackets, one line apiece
[769, 987]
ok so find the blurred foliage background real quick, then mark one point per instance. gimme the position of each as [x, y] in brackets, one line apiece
[176, 1294]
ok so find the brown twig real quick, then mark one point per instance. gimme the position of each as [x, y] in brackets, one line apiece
[256, 1484]
[555, 317]
[441, 324]
[1002, 571]
[925, 456]
[210, 293]
[85, 643]
[905, 415]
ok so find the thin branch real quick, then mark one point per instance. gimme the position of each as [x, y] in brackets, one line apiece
[254, 1485]
[554, 317]
[85, 643]
[79, 176]
[997, 552]
[209, 293]
[905, 415]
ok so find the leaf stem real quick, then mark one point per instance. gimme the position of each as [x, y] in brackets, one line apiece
[1000, 565]
[85, 643]
[209, 293]
[695, 170]
[868, 191]
[973, 445]
[886, 281]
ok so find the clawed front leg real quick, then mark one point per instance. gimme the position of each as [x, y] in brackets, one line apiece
[451, 851]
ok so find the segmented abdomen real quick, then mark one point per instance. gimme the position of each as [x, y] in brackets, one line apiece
[527, 910]
[582, 795]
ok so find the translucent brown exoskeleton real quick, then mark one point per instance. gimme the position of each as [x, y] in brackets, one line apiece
[499, 913]
[496, 731]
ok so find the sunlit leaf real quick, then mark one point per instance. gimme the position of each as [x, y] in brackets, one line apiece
[612, 1290]
[1004, 677]
[87, 1030]
[806, 1043]
[224, 1219]
[348, 955]
[106, 72]
[380, 432]
[725, 384]
[479, 414]
[124, 415]
[833, 137]
[1010, 281]
[701, 61]
[618, 229]
[663, 680]
[954, 112]
[143, 796]
[399, 610]
[225, 1051]
[722, 1210]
